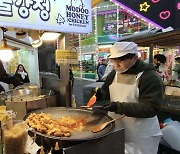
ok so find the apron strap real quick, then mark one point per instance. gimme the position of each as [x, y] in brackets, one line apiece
[139, 75]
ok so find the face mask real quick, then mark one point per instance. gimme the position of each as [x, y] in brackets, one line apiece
[120, 71]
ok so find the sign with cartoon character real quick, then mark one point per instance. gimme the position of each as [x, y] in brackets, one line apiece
[70, 16]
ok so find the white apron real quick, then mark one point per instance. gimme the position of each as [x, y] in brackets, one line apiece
[142, 134]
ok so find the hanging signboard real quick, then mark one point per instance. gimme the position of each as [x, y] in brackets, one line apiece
[70, 16]
[66, 56]
[162, 13]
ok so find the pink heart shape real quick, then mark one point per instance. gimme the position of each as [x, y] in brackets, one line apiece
[165, 15]
[155, 1]
[178, 6]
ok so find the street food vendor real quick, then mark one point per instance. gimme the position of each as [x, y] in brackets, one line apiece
[134, 89]
[6, 78]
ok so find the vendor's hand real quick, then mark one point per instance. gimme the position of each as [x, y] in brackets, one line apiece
[94, 91]
[112, 106]
[99, 108]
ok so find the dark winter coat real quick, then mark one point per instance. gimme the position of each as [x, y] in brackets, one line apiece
[6, 78]
[151, 92]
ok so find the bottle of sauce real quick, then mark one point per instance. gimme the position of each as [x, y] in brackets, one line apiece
[56, 149]
[42, 151]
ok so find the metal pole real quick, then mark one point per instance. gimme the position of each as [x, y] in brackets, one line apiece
[64, 87]
[151, 53]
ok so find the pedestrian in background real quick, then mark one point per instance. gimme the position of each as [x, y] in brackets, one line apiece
[161, 66]
[108, 69]
[22, 74]
[71, 76]
[101, 69]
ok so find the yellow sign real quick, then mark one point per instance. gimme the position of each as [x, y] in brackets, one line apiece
[70, 16]
[66, 56]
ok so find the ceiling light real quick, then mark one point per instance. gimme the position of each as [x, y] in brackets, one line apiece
[6, 55]
[34, 35]
[50, 36]
[36, 40]
[20, 34]
[5, 50]
[37, 43]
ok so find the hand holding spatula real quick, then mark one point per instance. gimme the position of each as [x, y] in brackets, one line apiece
[92, 100]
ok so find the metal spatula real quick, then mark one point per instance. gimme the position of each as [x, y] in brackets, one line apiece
[102, 126]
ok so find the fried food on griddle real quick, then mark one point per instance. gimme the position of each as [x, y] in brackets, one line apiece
[59, 127]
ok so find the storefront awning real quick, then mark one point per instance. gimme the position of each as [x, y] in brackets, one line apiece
[95, 2]
[161, 39]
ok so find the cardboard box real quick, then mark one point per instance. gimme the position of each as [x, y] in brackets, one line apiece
[51, 101]
[18, 107]
[22, 108]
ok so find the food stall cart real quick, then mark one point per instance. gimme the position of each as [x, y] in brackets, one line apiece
[66, 17]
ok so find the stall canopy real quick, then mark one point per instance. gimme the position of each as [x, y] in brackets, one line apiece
[155, 37]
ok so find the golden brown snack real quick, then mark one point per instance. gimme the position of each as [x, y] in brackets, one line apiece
[59, 127]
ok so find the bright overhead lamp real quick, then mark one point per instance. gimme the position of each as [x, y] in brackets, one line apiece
[37, 43]
[5, 50]
[6, 55]
[21, 34]
[36, 40]
[49, 36]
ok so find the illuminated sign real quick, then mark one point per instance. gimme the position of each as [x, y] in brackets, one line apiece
[161, 13]
[178, 6]
[66, 56]
[144, 7]
[73, 16]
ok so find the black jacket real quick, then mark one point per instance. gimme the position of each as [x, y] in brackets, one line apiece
[25, 80]
[6, 78]
[151, 92]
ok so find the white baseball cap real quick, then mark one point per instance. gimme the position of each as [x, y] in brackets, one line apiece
[120, 49]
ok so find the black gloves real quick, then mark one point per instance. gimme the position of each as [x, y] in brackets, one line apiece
[112, 106]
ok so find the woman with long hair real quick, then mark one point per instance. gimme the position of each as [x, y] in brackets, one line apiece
[22, 74]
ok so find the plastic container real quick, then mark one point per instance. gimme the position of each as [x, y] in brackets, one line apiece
[171, 134]
[15, 133]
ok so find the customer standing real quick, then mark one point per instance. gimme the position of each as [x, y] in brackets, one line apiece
[22, 74]
[134, 89]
